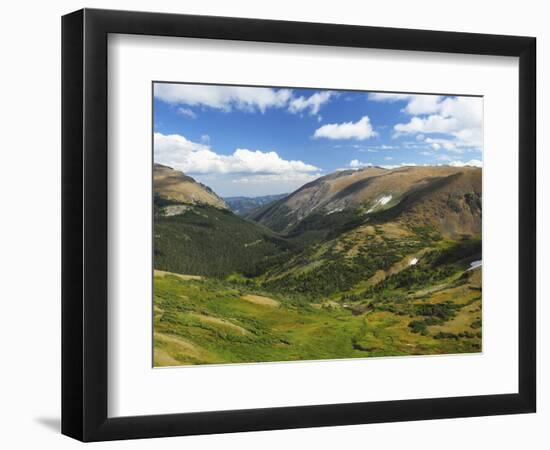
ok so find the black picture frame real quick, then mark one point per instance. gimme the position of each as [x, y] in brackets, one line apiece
[84, 224]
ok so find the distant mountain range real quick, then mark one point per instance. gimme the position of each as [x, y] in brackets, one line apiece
[243, 206]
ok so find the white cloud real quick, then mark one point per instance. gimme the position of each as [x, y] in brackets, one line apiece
[205, 138]
[422, 104]
[416, 103]
[288, 177]
[258, 184]
[374, 148]
[446, 144]
[387, 97]
[461, 118]
[472, 162]
[403, 164]
[388, 158]
[187, 112]
[355, 164]
[431, 124]
[249, 99]
[360, 130]
[225, 98]
[312, 103]
[191, 157]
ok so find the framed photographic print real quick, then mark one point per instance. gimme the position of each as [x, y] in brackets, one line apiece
[274, 224]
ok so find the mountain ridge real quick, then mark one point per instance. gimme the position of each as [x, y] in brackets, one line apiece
[174, 186]
[244, 206]
[372, 190]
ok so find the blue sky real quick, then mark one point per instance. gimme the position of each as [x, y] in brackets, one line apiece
[256, 141]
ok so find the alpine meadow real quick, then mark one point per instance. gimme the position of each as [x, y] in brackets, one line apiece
[312, 224]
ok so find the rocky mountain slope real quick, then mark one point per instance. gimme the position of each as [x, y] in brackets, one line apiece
[196, 233]
[447, 198]
[174, 187]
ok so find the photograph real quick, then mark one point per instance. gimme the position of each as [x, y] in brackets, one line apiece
[296, 224]
[272, 225]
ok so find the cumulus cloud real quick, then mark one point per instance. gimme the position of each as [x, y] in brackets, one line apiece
[259, 184]
[312, 103]
[416, 103]
[387, 97]
[360, 130]
[187, 112]
[198, 158]
[395, 166]
[356, 164]
[422, 104]
[461, 118]
[249, 99]
[472, 162]
[225, 98]
[289, 177]
[446, 144]
[431, 124]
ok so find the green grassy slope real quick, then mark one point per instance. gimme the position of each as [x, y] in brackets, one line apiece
[211, 321]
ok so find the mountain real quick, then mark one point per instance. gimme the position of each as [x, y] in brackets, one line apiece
[204, 240]
[195, 232]
[243, 206]
[331, 234]
[172, 186]
[446, 198]
[373, 262]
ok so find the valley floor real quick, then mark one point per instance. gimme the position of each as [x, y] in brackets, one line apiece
[199, 320]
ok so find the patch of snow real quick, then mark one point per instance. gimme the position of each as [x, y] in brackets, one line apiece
[413, 262]
[385, 199]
